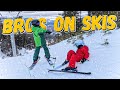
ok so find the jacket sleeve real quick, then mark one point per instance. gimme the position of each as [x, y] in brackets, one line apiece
[41, 31]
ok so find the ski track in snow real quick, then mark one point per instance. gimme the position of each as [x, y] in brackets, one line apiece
[104, 61]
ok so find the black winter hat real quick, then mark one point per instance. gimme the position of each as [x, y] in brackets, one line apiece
[35, 23]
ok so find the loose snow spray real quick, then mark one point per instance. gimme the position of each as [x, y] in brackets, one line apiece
[67, 24]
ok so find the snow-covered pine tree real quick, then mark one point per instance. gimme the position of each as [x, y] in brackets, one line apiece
[70, 35]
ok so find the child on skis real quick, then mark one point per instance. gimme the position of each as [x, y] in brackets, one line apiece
[81, 55]
[38, 34]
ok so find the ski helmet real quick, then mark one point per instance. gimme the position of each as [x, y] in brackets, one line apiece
[35, 23]
[79, 42]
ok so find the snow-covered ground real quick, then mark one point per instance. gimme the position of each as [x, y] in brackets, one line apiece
[104, 60]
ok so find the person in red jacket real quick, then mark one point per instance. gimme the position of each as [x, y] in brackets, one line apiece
[81, 55]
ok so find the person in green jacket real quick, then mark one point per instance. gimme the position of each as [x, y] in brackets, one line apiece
[38, 34]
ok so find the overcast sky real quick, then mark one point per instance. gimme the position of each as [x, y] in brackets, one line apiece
[35, 14]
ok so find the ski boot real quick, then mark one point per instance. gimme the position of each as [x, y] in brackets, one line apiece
[50, 62]
[83, 60]
[35, 61]
[70, 69]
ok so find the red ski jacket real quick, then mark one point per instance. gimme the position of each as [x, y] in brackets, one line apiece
[83, 52]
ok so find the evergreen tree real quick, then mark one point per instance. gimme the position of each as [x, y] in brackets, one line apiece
[77, 14]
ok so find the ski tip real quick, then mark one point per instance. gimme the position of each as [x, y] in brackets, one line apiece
[48, 70]
[89, 73]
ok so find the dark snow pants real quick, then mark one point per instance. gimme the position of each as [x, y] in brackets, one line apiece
[37, 50]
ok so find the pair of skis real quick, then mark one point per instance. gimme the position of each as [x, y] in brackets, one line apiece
[56, 68]
[87, 73]
[76, 72]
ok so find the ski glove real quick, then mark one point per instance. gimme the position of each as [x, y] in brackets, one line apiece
[46, 32]
[83, 60]
[40, 34]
